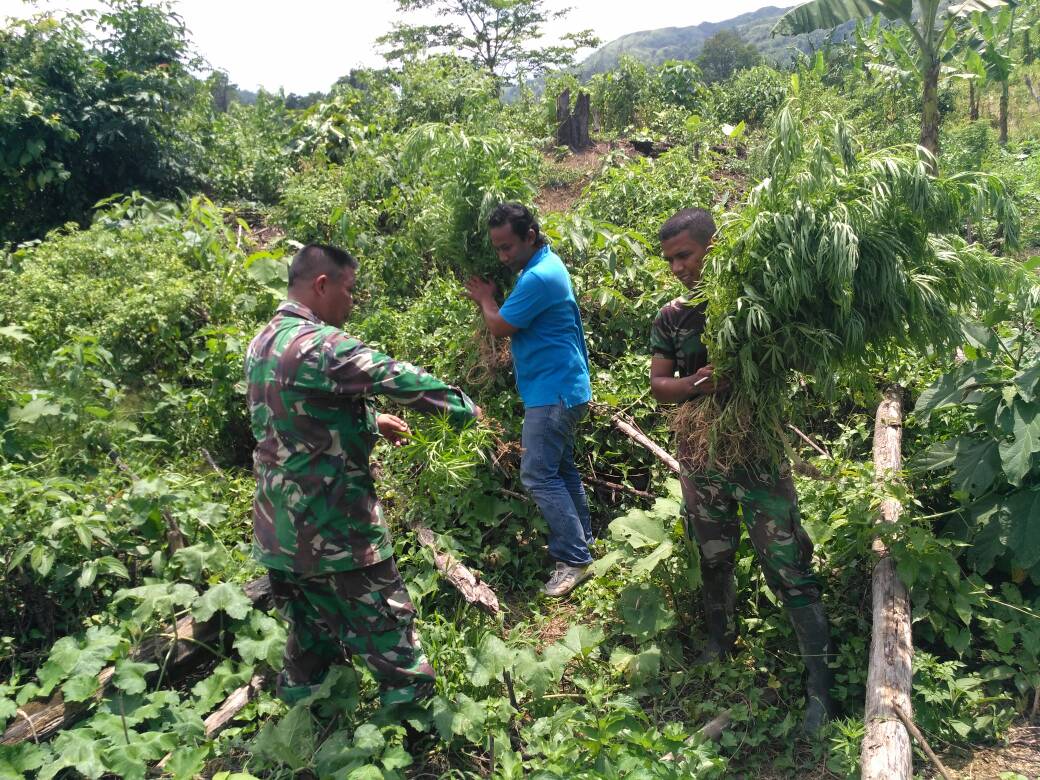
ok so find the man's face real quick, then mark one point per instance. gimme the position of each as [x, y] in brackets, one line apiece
[513, 251]
[335, 294]
[685, 258]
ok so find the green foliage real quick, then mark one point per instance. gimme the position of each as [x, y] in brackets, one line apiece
[726, 53]
[93, 103]
[995, 398]
[495, 36]
[752, 95]
[836, 251]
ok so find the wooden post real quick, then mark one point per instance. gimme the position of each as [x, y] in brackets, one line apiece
[885, 753]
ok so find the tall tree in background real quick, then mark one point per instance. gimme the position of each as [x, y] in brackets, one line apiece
[724, 54]
[934, 36]
[497, 35]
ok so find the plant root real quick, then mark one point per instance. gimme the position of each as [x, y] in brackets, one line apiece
[716, 435]
[493, 357]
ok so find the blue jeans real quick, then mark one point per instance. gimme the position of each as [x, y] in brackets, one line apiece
[547, 471]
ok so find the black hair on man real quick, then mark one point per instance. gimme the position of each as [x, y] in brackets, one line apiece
[519, 218]
[697, 223]
[317, 259]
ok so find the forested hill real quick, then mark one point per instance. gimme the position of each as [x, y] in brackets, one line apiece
[685, 43]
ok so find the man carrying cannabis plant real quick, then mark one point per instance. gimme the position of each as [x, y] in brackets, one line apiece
[552, 374]
[317, 523]
[763, 494]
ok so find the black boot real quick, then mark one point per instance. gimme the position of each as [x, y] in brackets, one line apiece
[814, 640]
[720, 597]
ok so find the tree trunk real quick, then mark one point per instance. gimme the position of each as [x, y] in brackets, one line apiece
[1028, 55]
[1032, 90]
[582, 111]
[973, 101]
[178, 647]
[1003, 114]
[885, 753]
[930, 112]
[572, 128]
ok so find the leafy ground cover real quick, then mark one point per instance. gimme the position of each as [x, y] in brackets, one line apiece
[121, 395]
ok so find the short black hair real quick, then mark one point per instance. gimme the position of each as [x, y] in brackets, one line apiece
[518, 217]
[317, 259]
[697, 222]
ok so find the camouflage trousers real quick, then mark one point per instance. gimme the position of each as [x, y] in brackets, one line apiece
[365, 612]
[765, 499]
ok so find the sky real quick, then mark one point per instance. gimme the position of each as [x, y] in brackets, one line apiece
[305, 45]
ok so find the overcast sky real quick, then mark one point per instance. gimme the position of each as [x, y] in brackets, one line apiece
[305, 45]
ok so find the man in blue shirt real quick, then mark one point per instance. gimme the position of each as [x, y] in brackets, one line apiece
[552, 374]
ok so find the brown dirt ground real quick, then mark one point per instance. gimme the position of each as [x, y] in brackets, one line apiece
[1021, 754]
[562, 197]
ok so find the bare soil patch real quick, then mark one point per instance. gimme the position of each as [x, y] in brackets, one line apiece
[569, 176]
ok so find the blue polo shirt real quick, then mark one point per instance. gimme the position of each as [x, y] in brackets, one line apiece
[549, 354]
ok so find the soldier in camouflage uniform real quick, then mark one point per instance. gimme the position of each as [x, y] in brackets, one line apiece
[762, 495]
[317, 523]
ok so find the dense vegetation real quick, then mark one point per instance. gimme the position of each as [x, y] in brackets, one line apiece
[124, 324]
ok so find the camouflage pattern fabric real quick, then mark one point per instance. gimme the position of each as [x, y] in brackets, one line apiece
[765, 499]
[365, 612]
[310, 389]
[676, 335]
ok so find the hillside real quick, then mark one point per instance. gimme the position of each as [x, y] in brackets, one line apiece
[685, 43]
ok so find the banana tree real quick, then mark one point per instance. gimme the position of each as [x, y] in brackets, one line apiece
[933, 33]
[992, 39]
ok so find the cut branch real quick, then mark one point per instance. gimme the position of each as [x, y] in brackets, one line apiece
[185, 642]
[221, 717]
[464, 580]
[628, 426]
[618, 486]
[916, 732]
[885, 753]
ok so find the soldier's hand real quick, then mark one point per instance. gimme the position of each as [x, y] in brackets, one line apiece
[704, 382]
[478, 413]
[393, 429]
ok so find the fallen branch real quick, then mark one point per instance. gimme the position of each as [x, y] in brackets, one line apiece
[628, 426]
[184, 642]
[618, 486]
[885, 753]
[716, 727]
[174, 537]
[212, 463]
[810, 442]
[464, 580]
[221, 717]
[916, 732]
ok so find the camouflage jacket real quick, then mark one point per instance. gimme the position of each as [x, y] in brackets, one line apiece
[310, 389]
[676, 335]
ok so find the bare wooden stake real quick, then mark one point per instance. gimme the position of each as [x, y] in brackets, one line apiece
[885, 752]
[916, 732]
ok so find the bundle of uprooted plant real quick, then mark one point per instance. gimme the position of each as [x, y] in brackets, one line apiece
[837, 254]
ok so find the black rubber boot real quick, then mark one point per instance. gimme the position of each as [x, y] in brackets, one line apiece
[814, 640]
[720, 596]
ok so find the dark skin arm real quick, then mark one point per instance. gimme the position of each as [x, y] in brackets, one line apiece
[669, 389]
[483, 293]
